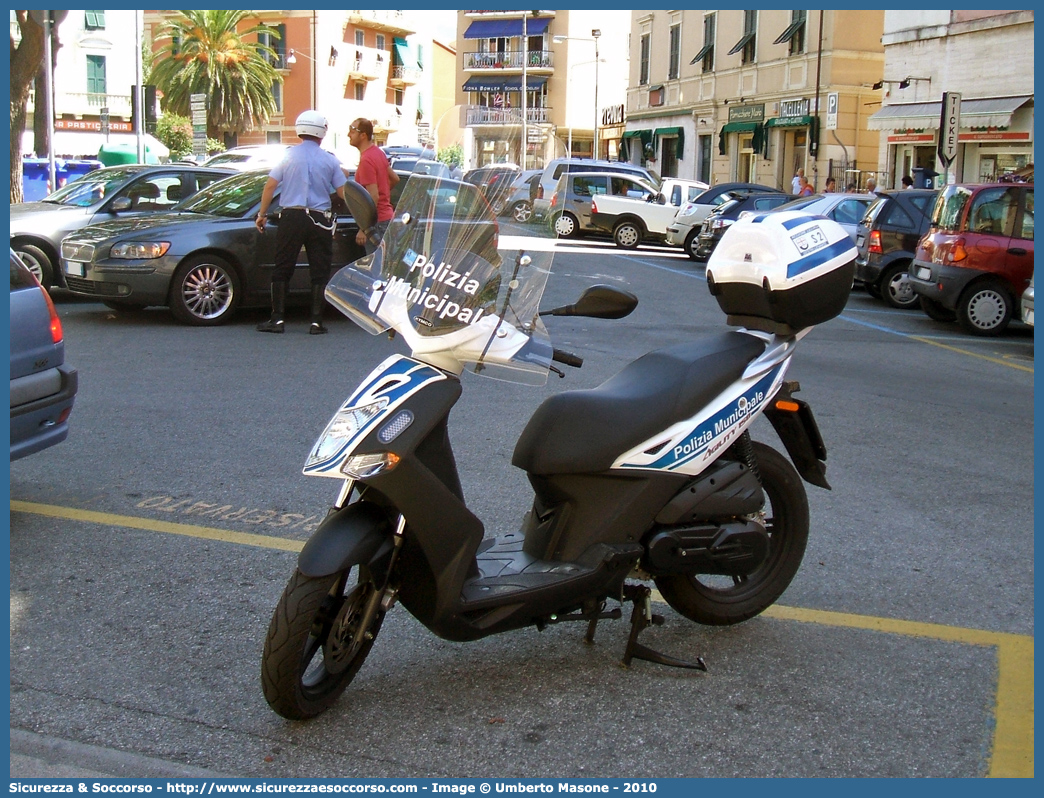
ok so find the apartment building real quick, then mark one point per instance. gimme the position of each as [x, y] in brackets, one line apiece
[573, 63]
[94, 71]
[722, 95]
[986, 57]
[346, 64]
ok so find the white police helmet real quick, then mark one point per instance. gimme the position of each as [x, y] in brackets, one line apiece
[311, 123]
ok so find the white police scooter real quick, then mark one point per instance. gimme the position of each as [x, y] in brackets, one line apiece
[651, 476]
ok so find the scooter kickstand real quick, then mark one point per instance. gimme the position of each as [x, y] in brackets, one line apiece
[642, 617]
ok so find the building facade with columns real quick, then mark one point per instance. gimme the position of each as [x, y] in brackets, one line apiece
[722, 95]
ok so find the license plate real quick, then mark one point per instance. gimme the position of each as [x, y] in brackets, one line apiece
[859, 241]
[924, 273]
[75, 269]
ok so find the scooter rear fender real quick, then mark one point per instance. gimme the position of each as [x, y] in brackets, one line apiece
[354, 535]
[797, 428]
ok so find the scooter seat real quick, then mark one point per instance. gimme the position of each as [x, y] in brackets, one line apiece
[585, 431]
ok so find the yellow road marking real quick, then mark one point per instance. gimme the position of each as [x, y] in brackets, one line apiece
[1012, 751]
[1000, 361]
[150, 525]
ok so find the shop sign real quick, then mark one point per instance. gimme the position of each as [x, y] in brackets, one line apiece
[995, 135]
[792, 108]
[911, 138]
[613, 116]
[747, 113]
[91, 125]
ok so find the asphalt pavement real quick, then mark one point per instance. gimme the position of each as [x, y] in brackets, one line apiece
[149, 549]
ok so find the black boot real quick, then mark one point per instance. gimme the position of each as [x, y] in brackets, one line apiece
[318, 301]
[275, 323]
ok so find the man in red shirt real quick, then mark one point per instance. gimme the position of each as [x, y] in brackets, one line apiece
[373, 175]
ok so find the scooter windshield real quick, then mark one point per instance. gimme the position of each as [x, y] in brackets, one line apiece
[461, 291]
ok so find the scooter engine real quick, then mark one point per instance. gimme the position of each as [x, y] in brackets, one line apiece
[733, 549]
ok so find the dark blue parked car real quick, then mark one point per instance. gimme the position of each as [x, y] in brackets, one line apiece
[42, 386]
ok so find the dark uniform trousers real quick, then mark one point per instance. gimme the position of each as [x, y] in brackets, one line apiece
[299, 227]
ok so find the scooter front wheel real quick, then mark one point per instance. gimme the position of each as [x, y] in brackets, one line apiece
[316, 643]
[724, 600]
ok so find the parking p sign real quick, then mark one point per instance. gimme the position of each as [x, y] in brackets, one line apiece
[949, 127]
[831, 110]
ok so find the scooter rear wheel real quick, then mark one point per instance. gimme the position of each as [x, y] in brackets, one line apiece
[724, 600]
[311, 652]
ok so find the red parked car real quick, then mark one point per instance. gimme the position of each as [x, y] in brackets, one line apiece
[977, 257]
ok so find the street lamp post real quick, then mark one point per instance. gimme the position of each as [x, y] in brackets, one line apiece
[595, 33]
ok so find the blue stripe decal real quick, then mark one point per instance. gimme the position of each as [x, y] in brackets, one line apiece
[835, 250]
[758, 219]
[790, 224]
[702, 437]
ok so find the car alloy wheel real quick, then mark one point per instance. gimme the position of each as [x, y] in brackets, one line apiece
[627, 235]
[204, 291]
[896, 289]
[522, 212]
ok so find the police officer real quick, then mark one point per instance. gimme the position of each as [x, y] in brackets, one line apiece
[306, 176]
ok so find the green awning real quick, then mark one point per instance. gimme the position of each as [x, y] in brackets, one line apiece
[789, 121]
[405, 57]
[739, 127]
[673, 131]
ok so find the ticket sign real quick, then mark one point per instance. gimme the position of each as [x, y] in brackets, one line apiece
[949, 127]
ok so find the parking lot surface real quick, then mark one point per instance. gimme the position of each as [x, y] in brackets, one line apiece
[149, 549]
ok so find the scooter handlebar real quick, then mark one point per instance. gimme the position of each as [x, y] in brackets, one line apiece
[567, 358]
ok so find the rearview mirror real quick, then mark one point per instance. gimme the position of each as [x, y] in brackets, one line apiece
[599, 302]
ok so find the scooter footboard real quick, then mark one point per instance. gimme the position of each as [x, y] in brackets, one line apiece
[357, 534]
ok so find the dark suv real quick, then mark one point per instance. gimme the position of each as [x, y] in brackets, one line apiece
[977, 257]
[887, 240]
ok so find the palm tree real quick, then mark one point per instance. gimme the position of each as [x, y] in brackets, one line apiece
[208, 54]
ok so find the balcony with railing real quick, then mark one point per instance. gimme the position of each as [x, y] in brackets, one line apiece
[535, 59]
[382, 20]
[404, 75]
[86, 103]
[366, 63]
[480, 115]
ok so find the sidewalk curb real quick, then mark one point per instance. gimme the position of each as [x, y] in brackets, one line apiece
[53, 757]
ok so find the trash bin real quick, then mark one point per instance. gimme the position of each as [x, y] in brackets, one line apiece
[77, 169]
[34, 177]
[117, 154]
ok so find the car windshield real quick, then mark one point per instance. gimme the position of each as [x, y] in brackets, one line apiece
[233, 197]
[228, 157]
[93, 187]
[949, 208]
[798, 204]
[873, 210]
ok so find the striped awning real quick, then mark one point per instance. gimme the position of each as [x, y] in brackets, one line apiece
[988, 112]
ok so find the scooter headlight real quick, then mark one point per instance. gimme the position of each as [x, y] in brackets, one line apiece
[342, 431]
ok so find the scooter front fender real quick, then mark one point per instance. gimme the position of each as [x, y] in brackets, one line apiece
[357, 534]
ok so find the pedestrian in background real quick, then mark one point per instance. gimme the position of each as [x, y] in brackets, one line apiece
[306, 177]
[795, 184]
[830, 186]
[907, 181]
[372, 174]
[804, 189]
[871, 186]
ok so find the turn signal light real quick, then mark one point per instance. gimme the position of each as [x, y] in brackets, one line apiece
[784, 404]
[875, 242]
[959, 253]
[554, 199]
[594, 206]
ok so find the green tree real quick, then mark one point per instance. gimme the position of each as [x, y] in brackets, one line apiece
[452, 156]
[206, 53]
[176, 133]
[27, 55]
